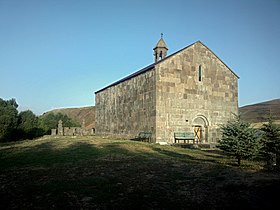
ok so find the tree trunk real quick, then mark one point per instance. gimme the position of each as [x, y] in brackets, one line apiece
[238, 161]
[277, 162]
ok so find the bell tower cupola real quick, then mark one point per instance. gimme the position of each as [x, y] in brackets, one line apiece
[160, 50]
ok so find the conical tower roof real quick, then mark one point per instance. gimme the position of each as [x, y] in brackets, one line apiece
[161, 44]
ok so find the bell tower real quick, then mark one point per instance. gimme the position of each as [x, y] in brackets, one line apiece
[160, 50]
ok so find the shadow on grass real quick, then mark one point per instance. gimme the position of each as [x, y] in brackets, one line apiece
[205, 157]
[49, 153]
[90, 175]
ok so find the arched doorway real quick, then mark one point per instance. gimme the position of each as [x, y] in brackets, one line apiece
[200, 127]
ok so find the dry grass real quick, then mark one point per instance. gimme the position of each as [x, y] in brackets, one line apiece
[260, 124]
[98, 173]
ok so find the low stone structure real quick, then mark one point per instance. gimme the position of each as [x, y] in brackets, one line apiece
[60, 128]
[53, 132]
[72, 131]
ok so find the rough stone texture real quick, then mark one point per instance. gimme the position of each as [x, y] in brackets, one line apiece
[53, 132]
[127, 108]
[170, 97]
[60, 128]
[72, 131]
[183, 102]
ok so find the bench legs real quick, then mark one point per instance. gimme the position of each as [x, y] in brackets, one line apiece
[145, 140]
[185, 140]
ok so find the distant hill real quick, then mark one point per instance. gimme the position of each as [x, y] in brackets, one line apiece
[259, 112]
[255, 113]
[78, 114]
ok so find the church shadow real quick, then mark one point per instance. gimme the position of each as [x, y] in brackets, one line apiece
[210, 156]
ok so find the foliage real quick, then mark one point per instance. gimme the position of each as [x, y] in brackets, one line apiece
[26, 125]
[50, 120]
[270, 139]
[239, 139]
[14, 126]
[8, 117]
[27, 120]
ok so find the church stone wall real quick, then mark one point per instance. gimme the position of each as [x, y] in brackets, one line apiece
[192, 88]
[127, 108]
[182, 100]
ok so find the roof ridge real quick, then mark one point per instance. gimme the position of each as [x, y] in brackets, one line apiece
[176, 52]
[149, 67]
[219, 59]
[207, 49]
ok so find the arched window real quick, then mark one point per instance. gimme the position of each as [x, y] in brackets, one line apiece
[199, 73]
[160, 54]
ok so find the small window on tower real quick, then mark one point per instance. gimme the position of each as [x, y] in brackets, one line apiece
[199, 73]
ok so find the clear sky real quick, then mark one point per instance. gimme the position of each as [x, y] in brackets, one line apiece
[57, 53]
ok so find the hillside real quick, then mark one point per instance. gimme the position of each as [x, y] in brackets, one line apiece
[255, 113]
[79, 114]
[260, 112]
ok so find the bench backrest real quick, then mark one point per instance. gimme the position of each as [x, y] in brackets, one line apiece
[183, 134]
[145, 134]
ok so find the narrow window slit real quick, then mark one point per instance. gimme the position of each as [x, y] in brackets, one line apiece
[199, 73]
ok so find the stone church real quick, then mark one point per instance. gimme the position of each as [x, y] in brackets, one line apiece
[192, 90]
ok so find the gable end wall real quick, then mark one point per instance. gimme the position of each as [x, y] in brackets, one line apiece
[181, 98]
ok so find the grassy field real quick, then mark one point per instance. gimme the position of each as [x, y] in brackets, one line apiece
[260, 124]
[98, 173]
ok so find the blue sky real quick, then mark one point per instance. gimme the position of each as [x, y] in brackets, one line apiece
[57, 53]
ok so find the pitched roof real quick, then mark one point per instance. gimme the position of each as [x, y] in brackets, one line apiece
[151, 66]
[147, 68]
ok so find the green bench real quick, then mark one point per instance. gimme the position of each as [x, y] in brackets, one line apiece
[184, 136]
[144, 136]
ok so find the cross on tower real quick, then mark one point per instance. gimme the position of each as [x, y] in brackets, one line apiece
[160, 50]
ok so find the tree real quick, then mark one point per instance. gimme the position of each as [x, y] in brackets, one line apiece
[8, 118]
[270, 140]
[239, 139]
[28, 125]
[27, 120]
[50, 120]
